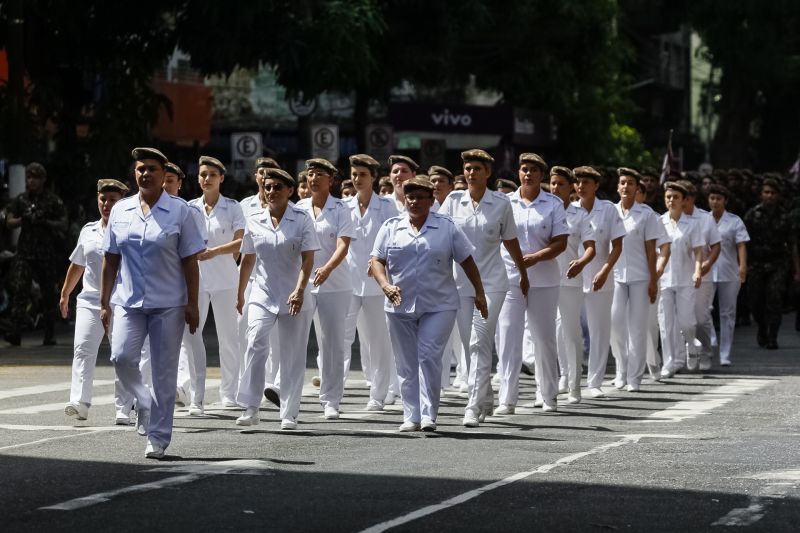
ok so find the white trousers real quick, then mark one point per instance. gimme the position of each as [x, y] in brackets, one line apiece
[528, 348]
[598, 320]
[418, 341]
[164, 327]
[727, 292]
[676, 319]
[629, 314]
[451, 356]
[89, 334]
[540, 308]
[703, 303]
[653, 357]
[477, 338]
[569, 335]
[293, 339]
[367, 314]
[331, 308]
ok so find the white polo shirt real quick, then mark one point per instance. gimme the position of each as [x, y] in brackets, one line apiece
[250, 205]
[733, 231]
[685, 237]
[220, 273]
[152, 247]
[379, 210]
[580, 231]
[421, 263]
[642, 224]
[278, 255]
[486, 226]
[709, 232]
[88, 253]
[537, 222]
[607, 225]
[334, 221]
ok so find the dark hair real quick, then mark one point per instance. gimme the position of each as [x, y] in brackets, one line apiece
[720, 190]
[769, 182]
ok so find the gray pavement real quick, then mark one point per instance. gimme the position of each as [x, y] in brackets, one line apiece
[709, 451]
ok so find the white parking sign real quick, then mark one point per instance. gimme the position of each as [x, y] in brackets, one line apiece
[325, 141]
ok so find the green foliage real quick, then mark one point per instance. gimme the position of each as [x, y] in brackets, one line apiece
[627, 147]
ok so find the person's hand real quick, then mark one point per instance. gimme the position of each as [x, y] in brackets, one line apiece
[529, 260]
[63, 306]
[743, 276]
[295, 301]
[240, 302]
[652, 290]
[697, 278]
[575, 267]
[105, 317]
[206, 254]
[320, 275]
[481, 306]
[192, 316]
[705, 267]
[599, 280]
[524, 284]
[393, 293]
[369, 269]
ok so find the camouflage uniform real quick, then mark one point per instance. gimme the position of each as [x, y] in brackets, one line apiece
[768, 254]
[39, 253]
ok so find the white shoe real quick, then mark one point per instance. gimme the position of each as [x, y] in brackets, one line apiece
[142, 421]
[427, 424]
[78, 411]
[705, 362]
[408, 426]
[154, 451]
[574, 397]
[374, 405]
[496, 379]
[539, 400]
[316, 381]
[181, 398]
[667, 373]
[619, 384]
[464, 388]
[288, 424]
[249, 417]
[456, 383]
[227, 402]
[503, 410]
[470, 420]
[331, 413]
[632, 387]
[692, 362]
[547, 408]
[196, 409]
[724, 363]
[390, 399]
[563, 385]
[597, 392]
[122, 419]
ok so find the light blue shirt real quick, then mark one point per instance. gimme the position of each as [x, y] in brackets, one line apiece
[421, 264]
[151, 248]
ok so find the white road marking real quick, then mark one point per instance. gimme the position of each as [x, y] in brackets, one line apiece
[41, 389]
[469, 495]
[49, 439]
[706, 402]
[23, 427]
[46, 407]
[192, 473]
[759, 504]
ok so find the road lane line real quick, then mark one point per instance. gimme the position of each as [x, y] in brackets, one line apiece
[46, 407]
[544, 469]
[41, 389]
[49, 439]
[24, 427]
[783, 481]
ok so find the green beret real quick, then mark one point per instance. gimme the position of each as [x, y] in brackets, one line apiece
[279, 174]
[174, 169]
[586, 172]
[435, 169]
[363, 160]
[533, 159]
[476, 154]
[36, 169]
[266, 162]
[212, 162]
[506, 184]
[104, 185]
[691, 190]
[626, 171]
[323, 164]
[419, 181]
[141, 153]
[394, 159]
[675, 186]
[564, 172]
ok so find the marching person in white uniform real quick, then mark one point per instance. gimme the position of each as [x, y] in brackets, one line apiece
[487, 219]
[542, 232]
[635, 282]
[333, 286]
[369, 212]
[570, 293]
[730, 270]
[401, 169]
[86, 262]
[150, 266]
[280, 242]
[223, 222]
[412, 263]
[598, 290]
[682, 277]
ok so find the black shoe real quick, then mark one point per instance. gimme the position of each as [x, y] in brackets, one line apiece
[14, 339]
[772, 345]
[272, 396]
[526, 370]
[761, 338]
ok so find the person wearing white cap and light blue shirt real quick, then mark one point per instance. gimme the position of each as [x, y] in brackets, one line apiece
[369, 212]
[150, 266]
[542, 232]
[332, 285]
[223, 221]
[280, 243]
[487, 219]
[412, 262]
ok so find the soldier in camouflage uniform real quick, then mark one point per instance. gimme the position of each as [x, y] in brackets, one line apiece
[43, 220]
[795, 218]
[769, 252]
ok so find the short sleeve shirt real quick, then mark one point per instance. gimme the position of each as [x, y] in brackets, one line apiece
[686, 236]
[88, 253]
[733, 232]
[366, 227]
[219, 273]
[642, 224]
[709, 232]
[607, 225]
[580, 231]
[421, 264]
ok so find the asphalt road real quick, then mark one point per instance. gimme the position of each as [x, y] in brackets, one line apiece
[711, 451]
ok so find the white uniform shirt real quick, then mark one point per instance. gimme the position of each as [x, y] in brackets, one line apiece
[421, 263]
[88, 253]
[733, 232]
[250, 205]
[685, 237]
[379, 210]
[642, 224]
[537, 223]
[278, 254]
[607, 225]
[709, 232]
[151, 273]
[220, 273]
[580, 231]
[334, 221]
[486, 226]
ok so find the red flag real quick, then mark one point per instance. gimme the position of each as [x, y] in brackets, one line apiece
[669, 161]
